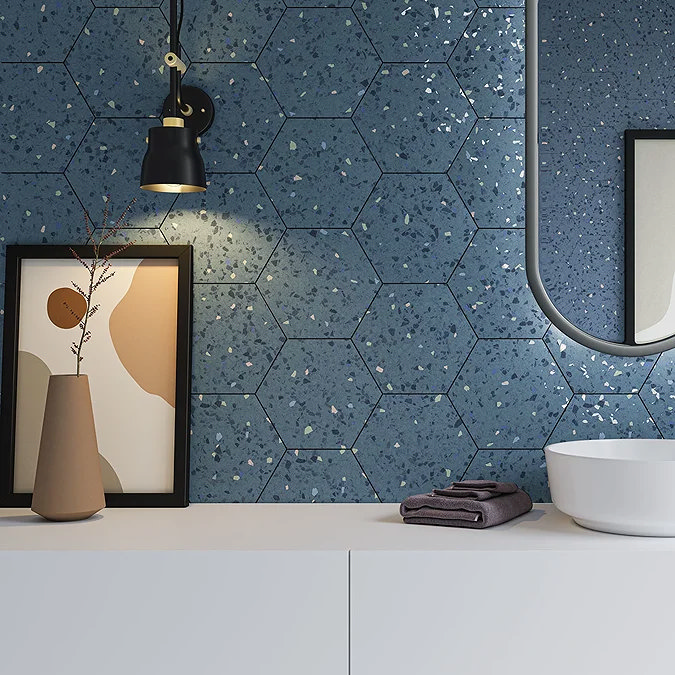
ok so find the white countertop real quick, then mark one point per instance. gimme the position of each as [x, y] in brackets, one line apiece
[300, 527]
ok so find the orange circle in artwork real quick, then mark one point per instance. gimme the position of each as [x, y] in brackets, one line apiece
[66, 307]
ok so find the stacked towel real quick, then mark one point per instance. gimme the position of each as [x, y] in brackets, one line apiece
[471, 503]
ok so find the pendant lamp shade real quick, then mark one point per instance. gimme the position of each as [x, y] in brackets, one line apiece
[173, 162]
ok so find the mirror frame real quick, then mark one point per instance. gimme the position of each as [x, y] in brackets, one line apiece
[532, 210]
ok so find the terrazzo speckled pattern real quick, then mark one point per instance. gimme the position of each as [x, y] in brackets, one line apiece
[525, 468]
[318, 62]
[510, 394]
[490, 284]
[246, 115]
[489, 172]
[234, 338]
[588, 371]
[232, 226]
[318, 283]
[658, 394]
[590, 416]
[318, 173]
[42, 209]
[303, 419]
[489, 62]
[414, 117]
[581, 245]
[43, 120]
[412, 444]
[34, 30]
[318, 3]
[318, 394]
[421, 31]
[318, 476]
[108, 162]
[228, 31]
[240, 449]
[133, 85]
[414, 228]
[414, 338]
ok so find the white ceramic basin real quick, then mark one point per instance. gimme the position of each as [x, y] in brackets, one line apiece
[623, 486]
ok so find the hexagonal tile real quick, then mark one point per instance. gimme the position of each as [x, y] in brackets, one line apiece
[510, 394]
[412, 444]
[319, 62]
[133, 86]
[489, 62]
[38, 208]
[228, 31]
[318, 393]
[318, 173]
[233, 449]
[246, 120]
[43, 120]
[525, 468]
[232, 226]
[414, 117]
[604, 416]
[32, 30]
[490, 284]
[489, 173]
[318, 283]
[109, 162]
[591, 372]
[423, 31]
[318, 3]
[658, 394]
[318, 476]
[414, 228]
[234, 338]
[414, 338]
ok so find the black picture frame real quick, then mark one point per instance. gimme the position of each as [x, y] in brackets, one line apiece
[15, 255]
[630, 137]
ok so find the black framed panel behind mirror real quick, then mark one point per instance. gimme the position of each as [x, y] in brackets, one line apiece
[650, 234]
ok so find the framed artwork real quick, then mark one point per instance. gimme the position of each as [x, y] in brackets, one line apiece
[650, 235]
[137, 359]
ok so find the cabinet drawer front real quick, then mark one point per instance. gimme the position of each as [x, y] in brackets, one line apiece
[174, 612]
[516, 613]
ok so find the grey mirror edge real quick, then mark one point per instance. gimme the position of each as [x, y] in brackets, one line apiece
[532, 211]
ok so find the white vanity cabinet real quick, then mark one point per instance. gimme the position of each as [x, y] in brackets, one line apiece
[328, 590]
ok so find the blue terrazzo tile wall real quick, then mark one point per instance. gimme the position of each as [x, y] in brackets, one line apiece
[363, 327]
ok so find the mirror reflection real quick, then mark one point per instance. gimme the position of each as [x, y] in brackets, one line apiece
[604, 68]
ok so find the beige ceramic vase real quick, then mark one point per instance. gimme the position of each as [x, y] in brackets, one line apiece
[68, 484]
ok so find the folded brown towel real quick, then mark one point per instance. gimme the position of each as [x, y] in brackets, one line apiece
[477, 489]
[438, 508]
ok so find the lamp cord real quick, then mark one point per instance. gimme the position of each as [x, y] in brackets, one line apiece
[185, 110]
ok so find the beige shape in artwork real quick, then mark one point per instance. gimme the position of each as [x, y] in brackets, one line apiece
[66, 307]
[143, 328]
[111, 481]
[31, 395]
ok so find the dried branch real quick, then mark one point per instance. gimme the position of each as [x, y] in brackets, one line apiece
[99, 271]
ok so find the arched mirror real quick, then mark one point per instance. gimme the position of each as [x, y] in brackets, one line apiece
[600, 170]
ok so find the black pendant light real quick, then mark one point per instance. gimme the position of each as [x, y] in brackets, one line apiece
[173, 162]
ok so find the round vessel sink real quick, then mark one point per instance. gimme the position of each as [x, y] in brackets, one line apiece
[622, 486]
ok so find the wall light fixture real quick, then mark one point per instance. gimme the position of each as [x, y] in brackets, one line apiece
[173, 162]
